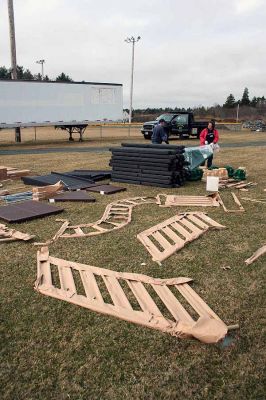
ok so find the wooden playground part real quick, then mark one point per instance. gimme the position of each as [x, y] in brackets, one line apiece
[116, 216]
[11, 235]
[211, 200]
[133, 297]
[257, 254]
[166, 238]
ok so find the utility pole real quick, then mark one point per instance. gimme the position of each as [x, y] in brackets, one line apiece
[12, 39]
[237, 112]
[133, 41]
[13, 54]
[41, 62]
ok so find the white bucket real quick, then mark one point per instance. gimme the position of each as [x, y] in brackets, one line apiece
[212, 184]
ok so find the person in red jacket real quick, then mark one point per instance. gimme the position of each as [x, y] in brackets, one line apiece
[207, 136]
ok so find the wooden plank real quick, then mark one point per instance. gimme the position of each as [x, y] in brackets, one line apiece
[144, 299]
[116, 292]
[192, 227]
[152, 249]
[197, 221]
[210, 221]
[172, 235]
[161, 239]
[180, 229]
[196, 301]
[237, 201]
[173, 305]
[257, 254]
[90, 286]
[79, 231]
[66, 279]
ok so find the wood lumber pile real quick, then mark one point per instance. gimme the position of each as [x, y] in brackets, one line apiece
[12, 173]
[147, 164]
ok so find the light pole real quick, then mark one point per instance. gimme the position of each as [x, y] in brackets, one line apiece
[41, 62]
[237, 112]
[12, 39]
[133, 41]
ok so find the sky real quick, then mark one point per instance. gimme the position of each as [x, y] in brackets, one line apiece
[191, 53]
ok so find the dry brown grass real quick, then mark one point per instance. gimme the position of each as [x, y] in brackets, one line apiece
[49, 137]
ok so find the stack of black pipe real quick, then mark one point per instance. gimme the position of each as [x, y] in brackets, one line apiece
[148, 164]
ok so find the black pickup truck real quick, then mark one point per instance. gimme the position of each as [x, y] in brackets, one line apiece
[179, 124]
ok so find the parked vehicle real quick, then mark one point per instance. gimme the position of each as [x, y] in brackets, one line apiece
[180, 124]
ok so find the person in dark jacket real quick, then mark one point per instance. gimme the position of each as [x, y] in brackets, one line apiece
[159, 134]
[209, 135]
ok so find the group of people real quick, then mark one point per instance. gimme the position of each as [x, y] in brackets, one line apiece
[208, 135]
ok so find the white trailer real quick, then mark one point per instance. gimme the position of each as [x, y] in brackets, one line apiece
[71, 106]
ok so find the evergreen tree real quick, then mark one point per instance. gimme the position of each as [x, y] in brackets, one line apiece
[5, 73]
[245, 98]
[38, 77]
[230, 101]
[254, 101]
[28, 75]
[63, 78]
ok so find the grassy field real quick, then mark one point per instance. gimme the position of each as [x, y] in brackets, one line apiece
[49, 137]
[54, 350]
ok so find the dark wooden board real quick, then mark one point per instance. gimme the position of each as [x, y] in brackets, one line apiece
[27, 210]
[79, 195]
[107, 189]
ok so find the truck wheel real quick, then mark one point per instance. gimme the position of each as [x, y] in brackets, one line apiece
[147, 137]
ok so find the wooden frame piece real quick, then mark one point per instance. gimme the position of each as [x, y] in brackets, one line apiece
[174, 233]
[211, 200]
[263, 201]
[233, 184]
[236, 200]
[116, 216]
[206, 327]
[257, 254]
[47, 192]
[10, 235]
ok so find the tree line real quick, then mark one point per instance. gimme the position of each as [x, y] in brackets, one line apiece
[248, 109]
[231, 102]
[25, 74]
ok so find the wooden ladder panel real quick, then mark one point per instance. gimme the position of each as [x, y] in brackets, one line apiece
[189, 226]
[151, 316]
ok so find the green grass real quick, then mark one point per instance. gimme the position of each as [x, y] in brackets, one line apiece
[54, 350]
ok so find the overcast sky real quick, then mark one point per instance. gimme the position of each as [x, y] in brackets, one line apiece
[191, 52]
